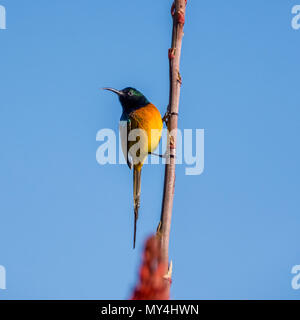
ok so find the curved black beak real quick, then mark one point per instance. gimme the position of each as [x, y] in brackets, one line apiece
[119, 93]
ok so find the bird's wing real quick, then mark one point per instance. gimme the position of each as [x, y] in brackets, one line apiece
[138, 141]
[125, 127]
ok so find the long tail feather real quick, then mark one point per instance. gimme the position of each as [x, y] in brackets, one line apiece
[136, 197]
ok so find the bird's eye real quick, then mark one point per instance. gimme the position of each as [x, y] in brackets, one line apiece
[130, 93]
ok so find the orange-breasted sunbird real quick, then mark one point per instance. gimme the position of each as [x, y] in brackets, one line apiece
[140, 130]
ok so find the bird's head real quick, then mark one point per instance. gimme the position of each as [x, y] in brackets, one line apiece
[130, 98]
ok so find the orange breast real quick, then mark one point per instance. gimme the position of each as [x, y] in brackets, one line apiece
[148, 119]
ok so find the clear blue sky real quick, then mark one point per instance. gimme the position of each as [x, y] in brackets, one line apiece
[66, 222]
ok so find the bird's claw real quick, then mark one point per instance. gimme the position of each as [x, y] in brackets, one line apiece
[166, 117]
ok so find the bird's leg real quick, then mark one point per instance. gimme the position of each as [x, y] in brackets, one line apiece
[167, 154]
[164, 156]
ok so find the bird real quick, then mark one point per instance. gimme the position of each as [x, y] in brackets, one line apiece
[138, 113]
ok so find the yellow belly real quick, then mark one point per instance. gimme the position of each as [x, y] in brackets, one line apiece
[149, 122]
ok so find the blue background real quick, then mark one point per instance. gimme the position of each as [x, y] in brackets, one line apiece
[66, 222]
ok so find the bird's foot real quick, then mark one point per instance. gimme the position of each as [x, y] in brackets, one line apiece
[166, 117]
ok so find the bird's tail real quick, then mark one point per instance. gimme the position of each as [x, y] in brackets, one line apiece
[136, 196]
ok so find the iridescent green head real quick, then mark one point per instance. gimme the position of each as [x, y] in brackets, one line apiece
[130, 98]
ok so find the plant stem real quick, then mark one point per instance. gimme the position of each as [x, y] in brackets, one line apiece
[178, 13]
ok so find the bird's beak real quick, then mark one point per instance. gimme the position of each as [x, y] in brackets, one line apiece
[119, 93]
